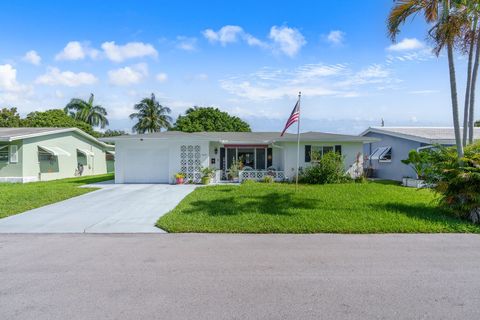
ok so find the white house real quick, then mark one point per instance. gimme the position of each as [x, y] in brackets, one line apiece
[156, 157]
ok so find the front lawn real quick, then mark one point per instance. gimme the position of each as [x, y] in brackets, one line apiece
[374, 207]
[17, 197]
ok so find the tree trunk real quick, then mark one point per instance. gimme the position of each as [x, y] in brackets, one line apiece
[471, 112]
[468, 89]
[453, 93]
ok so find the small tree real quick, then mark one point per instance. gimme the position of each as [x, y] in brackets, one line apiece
[328, 168]
[198, 119]
[418, 161]
[9, 117]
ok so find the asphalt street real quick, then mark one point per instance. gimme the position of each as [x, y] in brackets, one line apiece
[201, 276]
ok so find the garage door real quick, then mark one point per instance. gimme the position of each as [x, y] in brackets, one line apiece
[146, 165]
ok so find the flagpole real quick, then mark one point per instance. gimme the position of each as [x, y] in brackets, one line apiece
[298, 141]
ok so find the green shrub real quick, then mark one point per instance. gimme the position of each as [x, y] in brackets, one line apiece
[247, 182]
[268, 179]
[457, 182]
[326, 169]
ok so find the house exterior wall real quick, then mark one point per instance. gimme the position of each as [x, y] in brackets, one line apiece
[70, 142]
[349, 152]
[172, 161]
[394, 170]
[12, 172]
[284, 155]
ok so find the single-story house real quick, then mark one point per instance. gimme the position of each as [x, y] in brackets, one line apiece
[39, 154]
[384, 157]
[156, 157]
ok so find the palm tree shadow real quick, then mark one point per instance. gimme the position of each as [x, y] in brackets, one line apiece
[419, 211]
[274, 203]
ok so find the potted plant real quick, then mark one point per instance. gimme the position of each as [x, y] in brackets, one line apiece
[234, 171]
[418, 161]
[207, 175]
[179, 178]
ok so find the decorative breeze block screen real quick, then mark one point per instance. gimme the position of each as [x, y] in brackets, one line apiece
[190, 163]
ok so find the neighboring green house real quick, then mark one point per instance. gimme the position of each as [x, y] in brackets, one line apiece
[40, 154]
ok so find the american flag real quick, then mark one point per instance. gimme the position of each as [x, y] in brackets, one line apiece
[293, 117]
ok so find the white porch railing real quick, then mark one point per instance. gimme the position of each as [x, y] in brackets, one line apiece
[260, 174]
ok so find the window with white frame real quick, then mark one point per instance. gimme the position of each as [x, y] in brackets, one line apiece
[13, 154]
[382, 154]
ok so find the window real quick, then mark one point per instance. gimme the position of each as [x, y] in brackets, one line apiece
[382, 154]
[321, 150]
[3, 153]
[13, 154]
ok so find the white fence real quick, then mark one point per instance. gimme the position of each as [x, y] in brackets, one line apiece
[260, 174]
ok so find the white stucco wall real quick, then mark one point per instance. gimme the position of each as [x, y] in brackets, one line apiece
[349, 152]
[172, 148]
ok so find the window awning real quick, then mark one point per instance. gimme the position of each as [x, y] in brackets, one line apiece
[111, 152]
[54, 151]
[85, 152]
[378, 153]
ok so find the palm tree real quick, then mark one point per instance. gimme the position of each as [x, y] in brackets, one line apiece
[151, 115]
[446, 29]
[86, 111]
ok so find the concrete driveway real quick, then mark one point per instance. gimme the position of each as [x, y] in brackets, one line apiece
[224, 276]
[122, 208]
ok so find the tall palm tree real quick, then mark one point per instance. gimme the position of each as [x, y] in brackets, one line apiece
[151, 115]
[86, 111]
[444, 33]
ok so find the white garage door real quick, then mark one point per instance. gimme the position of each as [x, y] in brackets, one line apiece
[146, 165]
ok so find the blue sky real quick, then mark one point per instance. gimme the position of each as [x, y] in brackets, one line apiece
[249, 58]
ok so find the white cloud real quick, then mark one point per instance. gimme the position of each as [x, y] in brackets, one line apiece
[66, 78]
[119, 53]
[226, 34]
[336, 37]
[288, 40]
[161, 77]
[8, 78]
[315, 80]
[186, 43]
[32, 57]
[407, 44]
[128, 75]
[12, 92]
[230, 34]
[74, 50]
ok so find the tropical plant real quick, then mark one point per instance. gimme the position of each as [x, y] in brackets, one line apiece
[208, 172]
[328, 168]
[86, 111]
[457, 182]
[446, 28]
[418, 161]
[198, 119]
[151, 116]
[234, 169]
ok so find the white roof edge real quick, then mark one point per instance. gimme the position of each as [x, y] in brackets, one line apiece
[59, 130]
[398, 135]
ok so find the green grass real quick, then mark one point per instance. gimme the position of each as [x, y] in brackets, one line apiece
[374, 207]
[17, 197]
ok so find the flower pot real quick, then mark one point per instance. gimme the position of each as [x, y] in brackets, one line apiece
[206, 180]
[413, 183]
[179, 181]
